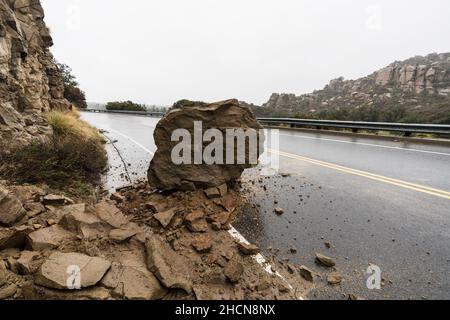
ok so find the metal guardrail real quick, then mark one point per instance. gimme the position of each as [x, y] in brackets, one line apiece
[406, 128]
[141, 113]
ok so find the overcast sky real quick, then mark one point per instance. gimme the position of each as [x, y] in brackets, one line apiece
[157, 52]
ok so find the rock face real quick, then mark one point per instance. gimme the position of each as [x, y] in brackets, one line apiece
[165, 174]
[30, 82]
[414, 90]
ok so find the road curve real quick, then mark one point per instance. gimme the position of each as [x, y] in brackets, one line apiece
[376, 202]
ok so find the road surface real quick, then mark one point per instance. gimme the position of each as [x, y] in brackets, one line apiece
[376, 202]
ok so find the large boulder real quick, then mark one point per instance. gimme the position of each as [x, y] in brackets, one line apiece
[198, 172]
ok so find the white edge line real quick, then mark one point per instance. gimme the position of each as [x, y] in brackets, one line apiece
[132, 140]
[259, 258]
[365, 144]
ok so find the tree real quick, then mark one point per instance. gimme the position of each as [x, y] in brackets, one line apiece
[125, 105]
[72, 91]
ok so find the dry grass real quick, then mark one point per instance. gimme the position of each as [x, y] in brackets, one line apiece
[71, 161]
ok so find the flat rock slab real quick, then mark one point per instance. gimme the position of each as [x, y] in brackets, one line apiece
[83, 223]
[110, 214]
[55, 272]
[11, 209]
[48, 238]
[120, 236]
[132, 283]
[165, 217]
[169, 267]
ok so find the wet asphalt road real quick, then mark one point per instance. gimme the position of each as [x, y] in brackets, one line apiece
[402, 228]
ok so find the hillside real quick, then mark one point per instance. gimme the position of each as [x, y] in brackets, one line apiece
[414, 90]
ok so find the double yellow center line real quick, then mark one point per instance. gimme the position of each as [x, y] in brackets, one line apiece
[403, 184]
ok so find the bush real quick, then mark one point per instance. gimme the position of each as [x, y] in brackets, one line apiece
[76, 96]
[125, 106]
[71, 161]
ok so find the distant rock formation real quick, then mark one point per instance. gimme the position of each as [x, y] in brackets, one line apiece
[417, 89]
[30, 82]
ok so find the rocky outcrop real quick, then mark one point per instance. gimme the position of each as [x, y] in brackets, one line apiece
[414, 90]
[30, 82]
[165, 173]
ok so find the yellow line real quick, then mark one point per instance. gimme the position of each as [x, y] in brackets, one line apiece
[431, 191]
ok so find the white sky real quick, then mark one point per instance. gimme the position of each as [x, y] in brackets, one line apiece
[157, 52]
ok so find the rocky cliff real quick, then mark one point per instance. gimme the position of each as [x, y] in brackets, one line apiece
[30, 82]
[414, 90]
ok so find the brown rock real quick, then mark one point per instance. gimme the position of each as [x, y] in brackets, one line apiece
[132, 283]
[28, 262]
[165, 217]
[14, 237]
[166, 175]
[3, 273]
[234, 270]
[86, 224]
[11, 209]
[220, 218]
[325, 261]
[334, 278]
[196, 222]
[279, 211]
[167, 265]
[8, 292]
[248, 249]
[306, 273]
[202, 243]
[212, 193]
[120, 236]
[110, 214]
[54, 272]
[34, 208]
[48, 238]
[117, 197]
[55, 200]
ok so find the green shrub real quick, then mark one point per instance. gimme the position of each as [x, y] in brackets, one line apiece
[125, 106]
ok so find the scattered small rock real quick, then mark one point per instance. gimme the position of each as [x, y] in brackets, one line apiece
[202, 243]
[306, 273]
[117, 197]
[279, 211]
[234, 270]
[334, 278]
[165, 217]
[196, 222]
[248, 249]
[325, 261]
[56, 200]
